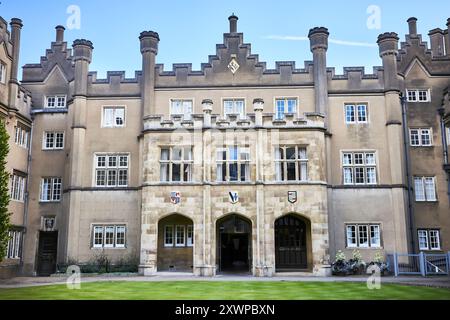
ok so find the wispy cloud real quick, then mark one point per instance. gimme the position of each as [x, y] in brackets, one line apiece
[334, 41]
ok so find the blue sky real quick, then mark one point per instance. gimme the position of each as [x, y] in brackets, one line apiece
[189, 29]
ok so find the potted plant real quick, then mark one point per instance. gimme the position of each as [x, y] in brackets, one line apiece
[356, 264]
[340, 267]
[379, 261]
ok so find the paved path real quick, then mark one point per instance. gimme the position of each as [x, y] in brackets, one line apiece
[442, 282]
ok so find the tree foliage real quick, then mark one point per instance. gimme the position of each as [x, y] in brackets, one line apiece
[4, 192]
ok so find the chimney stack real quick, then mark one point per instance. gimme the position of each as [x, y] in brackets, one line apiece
[233, 23]
[16, 27]
[60, 33]
[149, 49]
[437, 42]
[412, 22]
[318, 38]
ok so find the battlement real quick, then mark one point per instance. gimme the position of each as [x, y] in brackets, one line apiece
[308, 121]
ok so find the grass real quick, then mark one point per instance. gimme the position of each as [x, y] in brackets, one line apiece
[207, 290]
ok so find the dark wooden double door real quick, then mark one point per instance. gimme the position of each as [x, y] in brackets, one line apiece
[47, 252]
[290, 244]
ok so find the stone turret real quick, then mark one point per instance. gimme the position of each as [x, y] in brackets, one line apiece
[16, 27]
[388, 46]
[319, 45]
[149, 50]
[82, 57]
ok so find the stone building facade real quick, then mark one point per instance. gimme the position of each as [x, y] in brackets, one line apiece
[235, 167]
[15, 103]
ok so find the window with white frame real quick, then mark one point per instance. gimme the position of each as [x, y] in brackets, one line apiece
[168, 236]
[190, 236]
[425, 189]
[359, 168]
[363, 236]
[356, 113]
[53, 140]
[234, 107]
[181, 107]
[113, 117]
[108, 236]
[291, 163]
[285, 106]
[111, 170]
[17, 189]
[429, 239]
[14, 246]
[21, 136]
[58, 101]
[2, 72]
[178, 236]
[233, 164]
[176, 164]
[420, 137]
[418, 95]
[51, 189]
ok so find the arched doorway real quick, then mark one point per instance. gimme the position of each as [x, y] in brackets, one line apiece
[175, 244]
[291, 247]
[234, 244]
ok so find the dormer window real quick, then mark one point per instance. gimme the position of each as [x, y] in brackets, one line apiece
[234, 107]
[55, 102]
[2, 72]
[418, 95]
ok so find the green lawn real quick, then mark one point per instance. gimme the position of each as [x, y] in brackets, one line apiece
[204, 290]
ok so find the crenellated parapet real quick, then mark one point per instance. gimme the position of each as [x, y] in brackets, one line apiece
[256, 120]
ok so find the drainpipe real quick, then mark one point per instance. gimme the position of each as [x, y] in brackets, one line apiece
[27, 194]
[408, 172]
[445, 147]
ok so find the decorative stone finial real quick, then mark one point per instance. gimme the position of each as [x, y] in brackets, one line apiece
[318, 38]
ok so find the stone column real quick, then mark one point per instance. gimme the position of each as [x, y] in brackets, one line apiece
[149, 50]
[82, 57]
[16, 28]
[319, 45]
[388, 47]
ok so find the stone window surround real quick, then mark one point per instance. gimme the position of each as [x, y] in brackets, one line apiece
[103, 226]
[356, 112]
[18, 180]
[365, 166]
[55, 133]
[425, 193]
[22, 135]
[3, 70]
[107, 168]
[428, 235]
[56, 96]
[240, 150]
[54, 181]
[114, 125]
[244, 116]
[369, 225]
[420, 130]
[428, 93]
[276, 98]
[298, 162]
[192, 100]
[183, 162]
[14, 246]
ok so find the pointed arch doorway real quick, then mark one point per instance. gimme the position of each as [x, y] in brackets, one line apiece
[234, 244]
[291, 243]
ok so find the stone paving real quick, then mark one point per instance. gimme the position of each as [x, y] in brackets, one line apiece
[441, 282]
